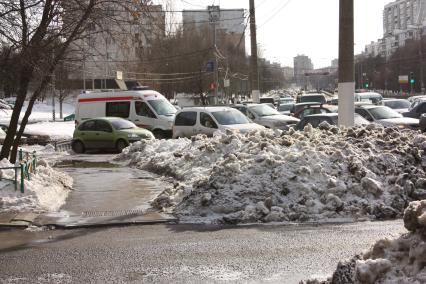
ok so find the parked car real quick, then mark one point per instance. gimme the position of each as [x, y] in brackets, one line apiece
[312, 98]
[386, 116]
[29, 137]
[417, 109]
[286, 100]
[423, 122]
[267, 100]
[207, 120]
[315, 109]
[416, 98]
[107, 133]
[146, 108]
[267, 116]
[369, 97]
[331, 118]
[399, 105]
[300, 106]
[285, 108]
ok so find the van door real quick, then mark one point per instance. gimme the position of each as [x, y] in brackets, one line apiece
[207, 124]
[145, 117]
[186, 124]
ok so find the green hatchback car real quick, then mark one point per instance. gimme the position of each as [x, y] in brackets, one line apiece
[107, 133]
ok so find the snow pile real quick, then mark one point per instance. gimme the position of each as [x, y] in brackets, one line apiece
[401, 260]
[59, 130]
[46, 191]
[273, 176]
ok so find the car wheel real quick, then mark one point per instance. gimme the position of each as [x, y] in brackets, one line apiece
[159, 134]
[78, 147]
[121, 144]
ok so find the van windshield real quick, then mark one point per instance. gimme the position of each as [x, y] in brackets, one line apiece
[162, 107]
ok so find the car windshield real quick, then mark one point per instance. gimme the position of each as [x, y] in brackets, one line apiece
[285, 107]
[384, 113]
[230, 117]
[397, 104]
[264, 110]
[162, 107]
[120, 124]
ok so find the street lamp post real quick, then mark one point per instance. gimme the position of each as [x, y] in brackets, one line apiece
[346, 63]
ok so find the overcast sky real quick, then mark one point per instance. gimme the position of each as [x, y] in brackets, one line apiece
[287, 28]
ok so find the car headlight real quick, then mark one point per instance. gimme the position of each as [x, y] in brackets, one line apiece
[132, 135]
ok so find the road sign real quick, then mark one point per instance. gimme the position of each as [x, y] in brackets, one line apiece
[226, 83]
[119, 75]
[403, 79]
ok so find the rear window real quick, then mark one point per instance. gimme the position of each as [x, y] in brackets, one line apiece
[187, 118]
[118, 109]
[313, 99]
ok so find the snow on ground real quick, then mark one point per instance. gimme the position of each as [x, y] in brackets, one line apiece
[314, 175]
[42, 111]
[46, 191]
[401, 260]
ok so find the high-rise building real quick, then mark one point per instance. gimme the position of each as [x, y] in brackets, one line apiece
[117, 45]
[230, 23]
[401, 14]
[402, 20]
[302, 65]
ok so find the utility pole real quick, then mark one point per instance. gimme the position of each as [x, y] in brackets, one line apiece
[53, 96]
[214, 16]
[422, 86]
[346, 63]
[255, 93]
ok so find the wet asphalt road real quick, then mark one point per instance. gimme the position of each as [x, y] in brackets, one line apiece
[184, 253]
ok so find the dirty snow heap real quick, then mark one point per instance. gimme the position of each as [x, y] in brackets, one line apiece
[402, 260]
[46, 191]
[272, 176]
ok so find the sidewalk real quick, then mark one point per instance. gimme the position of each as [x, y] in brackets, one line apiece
[103, 194]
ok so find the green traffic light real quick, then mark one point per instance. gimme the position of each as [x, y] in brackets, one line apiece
[366, 85]
[412, 81]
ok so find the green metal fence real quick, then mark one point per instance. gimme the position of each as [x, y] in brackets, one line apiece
[26, 165]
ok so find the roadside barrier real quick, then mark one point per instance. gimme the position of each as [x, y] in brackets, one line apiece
[26, 165]
[62, 145]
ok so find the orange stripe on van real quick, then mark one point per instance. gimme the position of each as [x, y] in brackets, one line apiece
[105, 99]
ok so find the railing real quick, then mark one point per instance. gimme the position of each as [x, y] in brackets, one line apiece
[26, 165]
[62, 145]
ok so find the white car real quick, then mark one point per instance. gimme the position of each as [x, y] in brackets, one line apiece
[386, 116]
[398, 105]
[267, 116]
[208, 120]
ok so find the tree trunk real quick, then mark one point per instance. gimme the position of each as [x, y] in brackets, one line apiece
[26, 75]
[23, 125]
[61, 101]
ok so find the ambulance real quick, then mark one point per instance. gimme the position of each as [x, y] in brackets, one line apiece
[146, 108]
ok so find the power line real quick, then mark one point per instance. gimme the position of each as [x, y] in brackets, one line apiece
[275, 14]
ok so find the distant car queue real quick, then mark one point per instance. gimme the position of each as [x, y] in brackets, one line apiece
[113, 120]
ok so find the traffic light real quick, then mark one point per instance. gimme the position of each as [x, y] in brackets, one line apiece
[412, 79]
[367, 84]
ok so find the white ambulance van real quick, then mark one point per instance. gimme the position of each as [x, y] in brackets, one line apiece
[146, 108]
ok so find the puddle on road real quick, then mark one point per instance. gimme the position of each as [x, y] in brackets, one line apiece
[85, 164]
[102, 186]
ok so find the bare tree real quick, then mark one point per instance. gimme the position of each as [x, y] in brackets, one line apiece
[40, 33]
